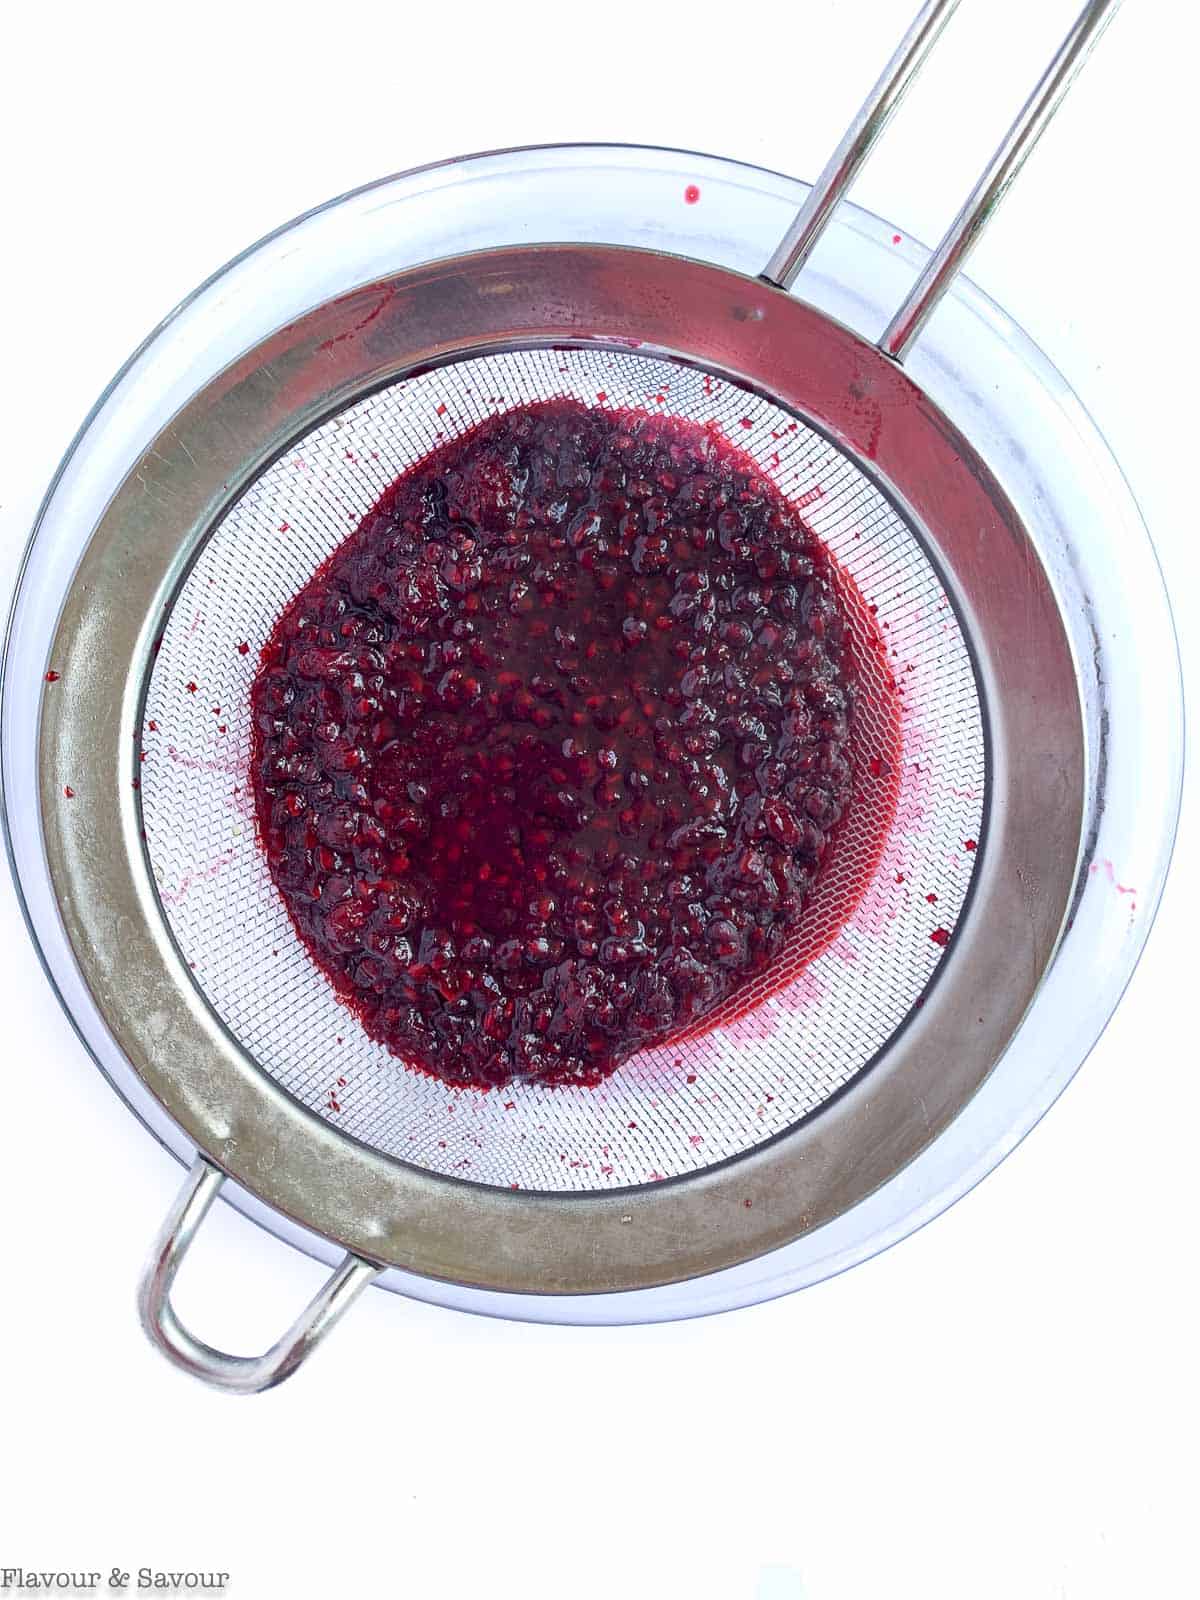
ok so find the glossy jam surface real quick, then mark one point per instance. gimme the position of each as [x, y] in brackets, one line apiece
[548, 754]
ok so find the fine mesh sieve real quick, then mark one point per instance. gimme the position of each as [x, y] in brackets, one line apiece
[867, 1040]
[670, 1110]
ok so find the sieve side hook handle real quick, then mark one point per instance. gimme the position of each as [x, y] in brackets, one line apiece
[996, 179]
[234, 1374]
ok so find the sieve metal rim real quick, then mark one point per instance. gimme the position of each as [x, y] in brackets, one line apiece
[252, 1130]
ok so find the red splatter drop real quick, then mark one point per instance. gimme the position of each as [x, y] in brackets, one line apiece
[970, 844]
[68, 791]
[243, 648]
[285, 527]
[633, 1124]
[1121, 888]
[152, 725]
[895, 238]
[358, 327]
[441, 410]
[52, 677]
[692, 193]
[601, 395]
[747, 1204]
[191, 688]
[745, 422]
[932, 899]
[899, 877]
[940, 936]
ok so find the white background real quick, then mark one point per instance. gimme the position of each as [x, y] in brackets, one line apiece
[1002, 1408]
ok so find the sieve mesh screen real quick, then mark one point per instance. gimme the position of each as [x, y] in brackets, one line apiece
[669, 1111]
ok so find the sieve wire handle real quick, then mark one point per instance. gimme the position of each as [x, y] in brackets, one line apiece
[872, 117]
[234, 1374]
[946, 261]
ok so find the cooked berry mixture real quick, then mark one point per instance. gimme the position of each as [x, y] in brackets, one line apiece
[548, 753]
